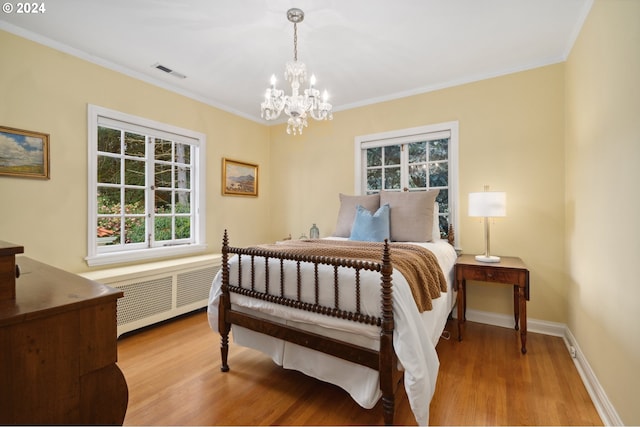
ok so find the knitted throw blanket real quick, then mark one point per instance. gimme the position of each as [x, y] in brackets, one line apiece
[418, 265]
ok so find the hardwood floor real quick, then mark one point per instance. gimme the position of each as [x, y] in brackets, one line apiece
[485, 380]
[174, 378]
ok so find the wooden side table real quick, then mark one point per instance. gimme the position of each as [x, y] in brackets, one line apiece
[510, 270]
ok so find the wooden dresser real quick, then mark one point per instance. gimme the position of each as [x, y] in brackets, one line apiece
[58, 347]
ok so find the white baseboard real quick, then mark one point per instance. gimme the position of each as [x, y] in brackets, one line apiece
[507, 321]
[600, 400]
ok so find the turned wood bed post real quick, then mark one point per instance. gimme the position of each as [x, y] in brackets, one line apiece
[225, 304]
[387, 359]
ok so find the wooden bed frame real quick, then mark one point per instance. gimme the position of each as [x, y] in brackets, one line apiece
[384, 360]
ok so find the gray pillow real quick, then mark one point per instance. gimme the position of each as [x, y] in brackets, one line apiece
[347, 212]
[411, 216]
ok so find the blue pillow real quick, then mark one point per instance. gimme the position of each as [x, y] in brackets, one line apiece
[369, 227]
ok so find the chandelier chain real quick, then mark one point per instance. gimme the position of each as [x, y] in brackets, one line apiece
[295, 41]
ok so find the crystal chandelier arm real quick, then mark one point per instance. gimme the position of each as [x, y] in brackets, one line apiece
[322, 109]
[273, 103]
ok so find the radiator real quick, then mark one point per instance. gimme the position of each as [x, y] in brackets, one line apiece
[158, 291]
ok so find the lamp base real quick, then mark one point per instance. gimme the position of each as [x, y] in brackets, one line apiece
[490, 258]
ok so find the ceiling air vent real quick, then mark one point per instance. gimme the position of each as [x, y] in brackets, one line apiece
[169, 71]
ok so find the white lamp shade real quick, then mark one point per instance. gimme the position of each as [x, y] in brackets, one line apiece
[488, 204]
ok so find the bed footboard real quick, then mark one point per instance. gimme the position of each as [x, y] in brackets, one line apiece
[383, 360]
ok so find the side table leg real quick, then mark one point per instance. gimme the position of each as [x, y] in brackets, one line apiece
[516, 306]
[461, 307]
[523, 319]
[464, 300]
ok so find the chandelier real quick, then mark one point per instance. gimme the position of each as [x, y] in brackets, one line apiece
[297, 106]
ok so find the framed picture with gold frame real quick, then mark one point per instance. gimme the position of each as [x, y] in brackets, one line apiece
[24, 153]
[239, 178]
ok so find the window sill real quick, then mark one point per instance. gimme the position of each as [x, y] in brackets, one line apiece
[143, 254]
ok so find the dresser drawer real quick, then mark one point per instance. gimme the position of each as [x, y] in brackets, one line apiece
[488, 274]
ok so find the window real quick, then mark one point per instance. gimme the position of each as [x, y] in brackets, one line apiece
[146, 188]
[416, 159]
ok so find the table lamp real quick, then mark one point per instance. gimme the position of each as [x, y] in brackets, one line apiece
[487, 204]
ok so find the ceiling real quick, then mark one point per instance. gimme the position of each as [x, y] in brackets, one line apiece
[361, 51]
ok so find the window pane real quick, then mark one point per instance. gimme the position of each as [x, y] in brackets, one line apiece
[183, 153]
[134, 230]
[134, 172]
[392, 155]
[108, 231]
[392, 178]
[108, 200]
[374, 156]
[183, 227]
[109, 140]
[108, 170]
[183, 177]
[134, 144]
[439, 149]
[443, 205]
[438, 174]
[418, 152]
[163, 150]
[443, 200]
[444, 226]
[162, 228]
[163, 202]
[134, 201]
[163, 175]
[418, 176]
[374, 180]
[183, 205]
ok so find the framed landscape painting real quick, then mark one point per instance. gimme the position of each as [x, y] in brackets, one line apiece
[239, 178]
[24, 153]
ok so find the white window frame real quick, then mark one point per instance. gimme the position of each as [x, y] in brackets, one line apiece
[416, 134]
[95, 257]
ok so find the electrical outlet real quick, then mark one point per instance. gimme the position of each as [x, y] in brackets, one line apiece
[572, 351]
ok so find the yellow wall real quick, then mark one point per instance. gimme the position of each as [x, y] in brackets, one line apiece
[48, 91]
[511, 138]
[603, 198]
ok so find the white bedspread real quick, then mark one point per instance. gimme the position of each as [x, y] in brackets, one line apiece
[415, 334]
